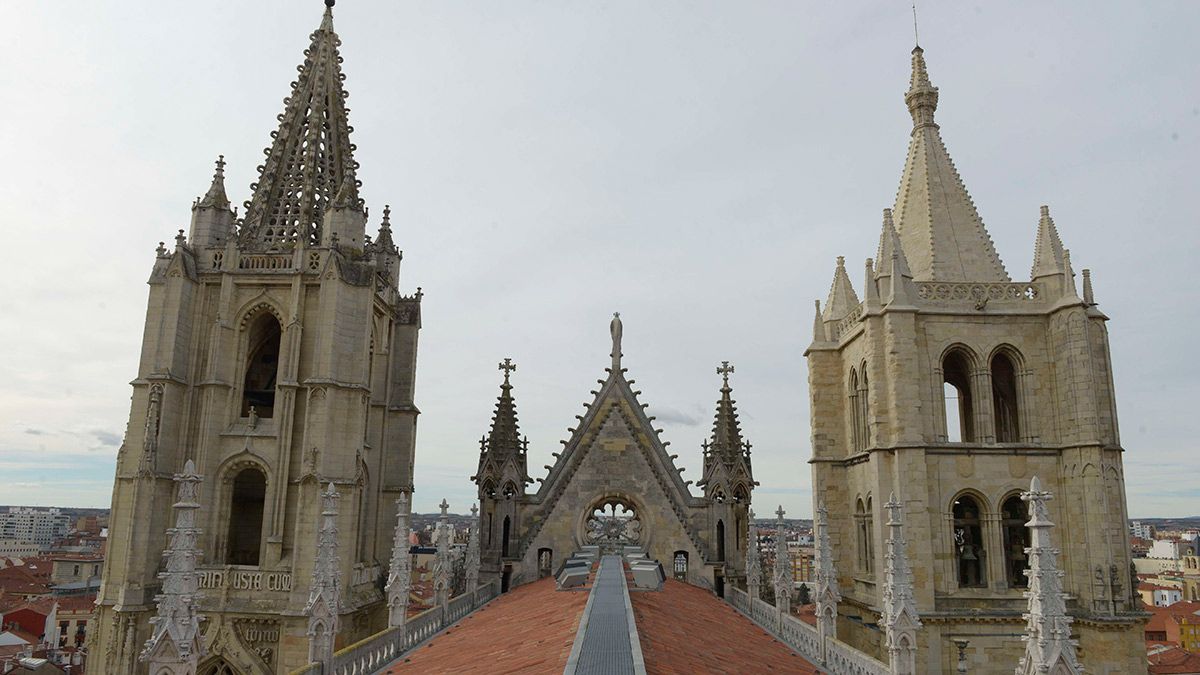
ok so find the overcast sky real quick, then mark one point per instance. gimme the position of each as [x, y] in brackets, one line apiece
[696, 166]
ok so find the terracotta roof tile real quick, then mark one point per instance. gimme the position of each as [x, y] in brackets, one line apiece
[1174, 660]
[527, 630]
[685, 629]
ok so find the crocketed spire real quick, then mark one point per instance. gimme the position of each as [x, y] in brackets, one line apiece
[842, 298]
[1048, 255]
[726, 444]
[384, 241]
[504, 437]
[310, 161]
[943, 236]
[215, 198]
[1048, 644]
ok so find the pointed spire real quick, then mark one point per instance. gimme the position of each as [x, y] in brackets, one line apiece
[784, 575]
[870, 286]
[753, 562]
[399, 582]
[828, 594]
[1048, 644]
[311, 158]
[1048, 254]
[324, 599]
[175, 644]
[900, 619]
[819, 332]
[504, 438]
[472, 561]
[842, 298]
[215, 197]
[1089, 296]
[727, 444]
[943, 236]
[384, 240]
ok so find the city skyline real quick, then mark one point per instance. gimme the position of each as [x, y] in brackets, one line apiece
[538, 188]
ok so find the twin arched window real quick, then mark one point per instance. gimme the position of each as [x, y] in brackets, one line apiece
[959, 397]
[865, 528]
[970, 541]
[860, 409]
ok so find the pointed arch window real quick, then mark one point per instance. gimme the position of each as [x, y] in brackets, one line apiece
[505, 534]
[956, 392]
[681, 565]
[968, 542]
[249, 495]
[864, 414]
[262, 367]
[862, 525]
[721, 540]
[1004, 399]
[855, 412]
[1014, 513]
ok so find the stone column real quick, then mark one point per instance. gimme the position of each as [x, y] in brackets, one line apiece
[753, 563]
[472, 561]
[399, 582]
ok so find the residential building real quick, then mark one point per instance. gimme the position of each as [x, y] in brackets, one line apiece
[33, 525]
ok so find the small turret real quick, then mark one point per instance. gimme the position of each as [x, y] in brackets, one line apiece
[503, 466]
[212, 219]
[387, 256]
[728, 475]
[842, 298]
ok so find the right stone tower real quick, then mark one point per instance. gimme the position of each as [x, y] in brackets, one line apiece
[952, 386]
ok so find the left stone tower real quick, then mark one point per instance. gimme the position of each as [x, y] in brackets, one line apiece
[278, 356]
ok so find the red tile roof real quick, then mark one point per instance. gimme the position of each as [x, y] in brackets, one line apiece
[1174, 661]
[527, 630]
[685, 629]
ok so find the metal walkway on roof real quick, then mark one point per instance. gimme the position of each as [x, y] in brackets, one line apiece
[607, 641]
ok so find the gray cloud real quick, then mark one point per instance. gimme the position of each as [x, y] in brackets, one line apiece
[107, 438]
[673, 416]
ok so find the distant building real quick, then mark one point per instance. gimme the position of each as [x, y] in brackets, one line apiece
[32, 525]
[17, 548]
[1158, 595]
[1141, 530]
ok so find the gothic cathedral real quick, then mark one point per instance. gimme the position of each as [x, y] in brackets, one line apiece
[278, 356]
[951, 386]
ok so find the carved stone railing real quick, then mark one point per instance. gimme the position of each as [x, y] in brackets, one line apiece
[842, 659]
[967, 293]
[265, 262]
[835, 657]
[848, 322]
[372, 654]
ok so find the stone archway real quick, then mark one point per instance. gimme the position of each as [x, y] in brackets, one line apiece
[218, 667]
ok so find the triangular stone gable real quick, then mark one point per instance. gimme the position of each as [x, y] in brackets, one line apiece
[615, 451]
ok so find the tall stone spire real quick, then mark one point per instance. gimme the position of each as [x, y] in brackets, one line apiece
[399, 582]
[753, 561]
[943, 236]
[1048, 644]
[828, 594]
[503, 459]
[1048, 254]
[324, 600]
[175, 645]
[472, 555]
[310, 163]
[783, 575]
[900, 619]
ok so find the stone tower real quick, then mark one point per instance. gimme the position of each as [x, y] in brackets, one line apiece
[952, 386]
[278, 357]
[614, 484]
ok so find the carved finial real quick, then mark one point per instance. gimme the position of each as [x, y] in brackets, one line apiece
[220, 167]
[474, 510]
[614, 329]
[779, 513]
[161, 251]
[724, 371]
[330, 3]
[180, 239]
[841, 261]
[507, 366]
[444, 506]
